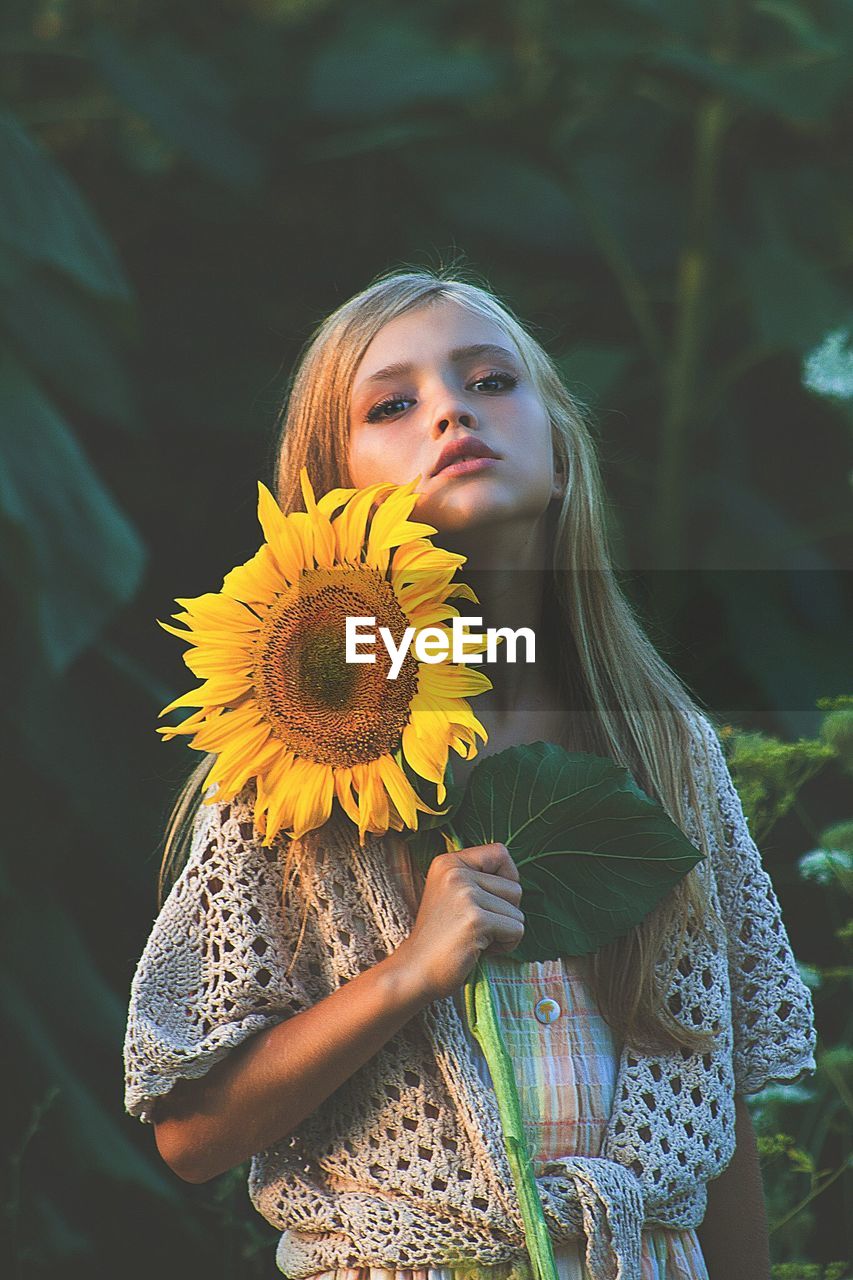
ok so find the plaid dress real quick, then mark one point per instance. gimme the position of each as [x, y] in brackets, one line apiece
[565, 1059]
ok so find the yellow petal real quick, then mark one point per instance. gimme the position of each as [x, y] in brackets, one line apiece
[257, 581]
[217, 612]
[426, 757]
[463, 590]
[249, 752]
[426, 615]
[399, 789]
[343, 790]
[314, 792]
[451, 680]
[411, 559]
[275, 796]
[210, 660]
[389, 527]
[282, 535]
[335, 498]
[372, 800]
[226, 727]
[351, 524]
[324, 536]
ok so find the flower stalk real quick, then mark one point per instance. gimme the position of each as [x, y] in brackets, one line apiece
[485, 1027]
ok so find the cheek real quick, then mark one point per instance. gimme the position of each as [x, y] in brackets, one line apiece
[363, 459]
[374, 456]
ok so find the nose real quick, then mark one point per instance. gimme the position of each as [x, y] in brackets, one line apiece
[453, 409]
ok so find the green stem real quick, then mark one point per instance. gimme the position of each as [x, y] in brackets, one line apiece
[486, 1029]
[817, 1190]
[695, 266]
[483, 1020]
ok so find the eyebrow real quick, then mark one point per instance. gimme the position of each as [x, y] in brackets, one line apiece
[457, 355]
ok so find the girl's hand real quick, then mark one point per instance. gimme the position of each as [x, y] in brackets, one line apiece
[469, 906]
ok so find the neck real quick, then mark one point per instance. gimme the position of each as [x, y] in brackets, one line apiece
[507, 569]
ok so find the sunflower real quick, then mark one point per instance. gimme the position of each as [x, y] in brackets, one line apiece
[281, 704]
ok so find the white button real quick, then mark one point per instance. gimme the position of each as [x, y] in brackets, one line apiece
[546, 1009]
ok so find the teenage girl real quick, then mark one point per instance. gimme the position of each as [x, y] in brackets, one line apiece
[418, 364]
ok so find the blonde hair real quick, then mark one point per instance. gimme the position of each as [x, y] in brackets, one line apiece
[626, 702]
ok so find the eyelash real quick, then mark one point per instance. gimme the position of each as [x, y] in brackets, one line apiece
[374, 414]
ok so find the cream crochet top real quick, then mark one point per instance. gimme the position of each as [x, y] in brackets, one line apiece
[404, 1164]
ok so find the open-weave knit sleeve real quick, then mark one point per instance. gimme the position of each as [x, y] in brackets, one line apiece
[774, 1034]
[214, 969]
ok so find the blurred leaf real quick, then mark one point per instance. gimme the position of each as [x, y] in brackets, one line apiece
[672, 15]
[838, 836]
[62, 1239]
[44, 217]
[497, 193]
[789, 662]
[185, 96]
[379, 137]
[798, 23]
[837, 730]
[59, 975]
[795, 88]
[826, 865]
[95, 1137]
[828, 367]
[83, 559]
[769, 774]
[636, 222]
[791, 299]
[63, 337]
[374, 67]
[602, 45]
[592, 371]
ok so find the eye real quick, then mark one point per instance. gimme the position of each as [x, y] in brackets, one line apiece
[385, 408]
[505, 380]
[377, 413]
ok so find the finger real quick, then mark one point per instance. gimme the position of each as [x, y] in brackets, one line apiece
[500, 931]
[494, 858]
[499, 885]
[498, 905]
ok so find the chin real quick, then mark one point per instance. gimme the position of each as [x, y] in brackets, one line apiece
[460, 513]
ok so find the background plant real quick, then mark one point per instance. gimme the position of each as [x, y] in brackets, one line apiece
[663, 189]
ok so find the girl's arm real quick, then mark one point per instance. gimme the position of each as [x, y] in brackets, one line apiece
[267, 1085]
[734, 1235]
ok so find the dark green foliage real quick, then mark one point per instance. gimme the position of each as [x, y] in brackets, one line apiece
[663, 189]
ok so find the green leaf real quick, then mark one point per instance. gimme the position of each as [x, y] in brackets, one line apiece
[799, 24]
[389, 66]
[593, 370]
[769, 774]
[493, 191]
[828, 368]
[61, 976]
[95, 1132]
[594, 852]
[793, 301]
[183, 94]
[800, 89]
[44, 217]
[71, 341]
[74, 557]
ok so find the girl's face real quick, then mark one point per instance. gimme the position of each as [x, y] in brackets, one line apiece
[439, 377]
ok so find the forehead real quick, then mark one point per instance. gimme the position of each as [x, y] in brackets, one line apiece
[431, 331]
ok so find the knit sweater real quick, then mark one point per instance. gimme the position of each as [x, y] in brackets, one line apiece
[404, 1164]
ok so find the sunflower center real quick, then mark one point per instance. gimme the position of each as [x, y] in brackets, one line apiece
[321, 706]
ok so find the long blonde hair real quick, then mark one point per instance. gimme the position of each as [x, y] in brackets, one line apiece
[626, 701]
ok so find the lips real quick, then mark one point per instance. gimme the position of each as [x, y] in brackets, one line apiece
[459, 450]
